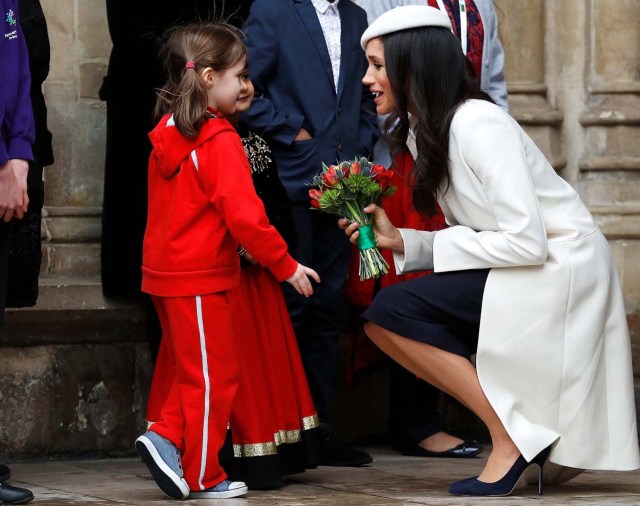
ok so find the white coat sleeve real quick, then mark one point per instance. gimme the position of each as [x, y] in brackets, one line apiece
[491, 145]
[418, 251]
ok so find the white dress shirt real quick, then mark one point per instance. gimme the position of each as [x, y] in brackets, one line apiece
[329, 18]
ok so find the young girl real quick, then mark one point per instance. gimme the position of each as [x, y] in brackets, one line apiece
[201, 206]
[273, 421]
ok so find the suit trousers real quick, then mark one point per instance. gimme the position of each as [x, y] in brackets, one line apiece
[4, 266]
[413, 414]
[316, 320]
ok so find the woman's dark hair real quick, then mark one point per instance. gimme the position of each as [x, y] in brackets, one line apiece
[429, 74]
[215, 45]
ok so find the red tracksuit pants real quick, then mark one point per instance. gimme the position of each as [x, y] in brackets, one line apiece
[198, 339]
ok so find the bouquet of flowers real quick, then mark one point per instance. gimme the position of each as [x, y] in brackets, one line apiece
[346, 189]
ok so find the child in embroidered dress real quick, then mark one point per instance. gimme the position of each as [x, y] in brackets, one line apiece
[201, 207]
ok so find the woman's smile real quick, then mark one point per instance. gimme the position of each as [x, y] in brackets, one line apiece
[376, 77]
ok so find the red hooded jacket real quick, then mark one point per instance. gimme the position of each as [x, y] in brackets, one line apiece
[202, 204]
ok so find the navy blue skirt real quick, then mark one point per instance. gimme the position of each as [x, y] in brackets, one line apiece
[441, 309]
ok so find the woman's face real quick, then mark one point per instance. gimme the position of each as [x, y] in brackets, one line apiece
[376, 77]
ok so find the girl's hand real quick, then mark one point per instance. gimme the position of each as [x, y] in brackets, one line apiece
[387, 235]
[300, 280]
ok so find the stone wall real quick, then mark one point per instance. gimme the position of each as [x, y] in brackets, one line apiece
[74, 370]
[574, 82]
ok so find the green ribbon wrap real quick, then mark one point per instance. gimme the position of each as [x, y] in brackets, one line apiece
[367, 238]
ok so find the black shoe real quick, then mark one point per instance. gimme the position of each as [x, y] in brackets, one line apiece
[14, 495]
[505, 485]
[333, 452]
[464, 450]
[5, 473]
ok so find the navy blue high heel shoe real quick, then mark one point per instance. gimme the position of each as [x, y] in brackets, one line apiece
[506, 484]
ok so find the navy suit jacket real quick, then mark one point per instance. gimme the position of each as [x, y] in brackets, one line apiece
[291, 70]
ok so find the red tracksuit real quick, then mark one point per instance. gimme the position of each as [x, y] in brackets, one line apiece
[202, 204]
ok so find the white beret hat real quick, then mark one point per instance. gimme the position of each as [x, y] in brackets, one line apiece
[402, 18]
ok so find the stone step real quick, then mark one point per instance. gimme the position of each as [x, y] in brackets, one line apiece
[74, 310]
[70, 259]
[74, 372]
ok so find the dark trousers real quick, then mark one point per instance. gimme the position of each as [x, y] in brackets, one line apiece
[4, 263]
[413, 414]
[25, 246]
[316, 320]
[124, 213]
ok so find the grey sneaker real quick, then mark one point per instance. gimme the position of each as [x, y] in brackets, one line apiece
[163, 460]
[223, 490]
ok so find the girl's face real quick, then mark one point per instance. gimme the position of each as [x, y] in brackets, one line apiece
[230, 90]
[376, 77]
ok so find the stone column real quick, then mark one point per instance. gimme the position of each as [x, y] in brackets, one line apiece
[523, 32]
[79, 55]
[610, 164]
[574, 81]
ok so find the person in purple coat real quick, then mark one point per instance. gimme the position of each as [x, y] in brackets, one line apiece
[17, 134]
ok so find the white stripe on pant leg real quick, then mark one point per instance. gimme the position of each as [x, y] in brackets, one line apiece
[207, 388]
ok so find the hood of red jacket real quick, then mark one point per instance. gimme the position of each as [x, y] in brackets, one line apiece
[170, 147]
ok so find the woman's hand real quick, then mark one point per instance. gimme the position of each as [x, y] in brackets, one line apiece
[300, 280]
[387, 236]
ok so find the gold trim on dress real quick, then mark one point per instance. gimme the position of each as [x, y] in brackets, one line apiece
[279, 438]
[310, 422]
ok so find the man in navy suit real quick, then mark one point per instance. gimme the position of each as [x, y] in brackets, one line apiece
[307, 67]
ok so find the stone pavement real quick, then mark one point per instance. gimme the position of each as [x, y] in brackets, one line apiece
[391, 480]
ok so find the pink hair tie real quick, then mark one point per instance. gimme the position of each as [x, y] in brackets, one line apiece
[190, 65]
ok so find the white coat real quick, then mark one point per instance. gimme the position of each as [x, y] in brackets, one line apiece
[554, 355]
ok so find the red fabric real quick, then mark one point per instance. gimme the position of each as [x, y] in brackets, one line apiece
[475, 29]
[273, 394]
[475, 42]
[198, 215]
[195, 382]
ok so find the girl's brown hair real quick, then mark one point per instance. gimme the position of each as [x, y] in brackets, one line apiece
[215, 45]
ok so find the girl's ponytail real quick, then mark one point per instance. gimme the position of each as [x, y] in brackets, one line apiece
[190, 102]
[187, 51]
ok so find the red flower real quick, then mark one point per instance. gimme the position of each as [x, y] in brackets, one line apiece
[387, 175]
[355, 168]
[330, 177]
[376, 171]
[315, 195]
